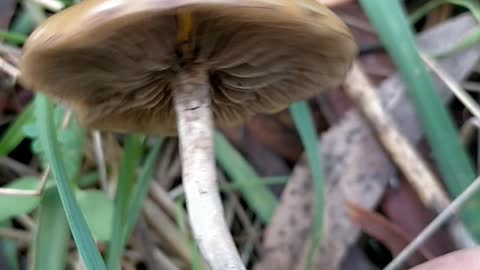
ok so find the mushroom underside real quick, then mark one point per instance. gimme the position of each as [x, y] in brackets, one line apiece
[123, 81]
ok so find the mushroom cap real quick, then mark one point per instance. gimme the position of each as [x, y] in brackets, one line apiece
[116, 61]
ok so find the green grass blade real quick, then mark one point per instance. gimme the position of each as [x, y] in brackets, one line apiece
[14, 134]
[141, 190]
[129, 163]
[425, 9]
[472, 5]
[13, 38]
[81, 233]
[390, 20]
[23, 23]
[52, 235]
[306, 128]
[88, 179]
[68, 2]
[259, 198]
[265, 181]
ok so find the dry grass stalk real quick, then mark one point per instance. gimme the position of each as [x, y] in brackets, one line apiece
[166, 230]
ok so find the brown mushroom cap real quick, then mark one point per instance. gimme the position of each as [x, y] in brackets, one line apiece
[115, 61]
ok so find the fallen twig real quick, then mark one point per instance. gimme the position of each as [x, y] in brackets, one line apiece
[412, 165]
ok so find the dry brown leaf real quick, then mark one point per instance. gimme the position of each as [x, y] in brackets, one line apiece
[459, 260]
[389, 234]
[438, 15]
[344, 146]
[402, 206]
[269, 131]
[264, 160]
[334, 105]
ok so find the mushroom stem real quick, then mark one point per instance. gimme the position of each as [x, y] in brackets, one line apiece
[195, 129]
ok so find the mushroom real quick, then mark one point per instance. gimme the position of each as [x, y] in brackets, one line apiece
[177, 67]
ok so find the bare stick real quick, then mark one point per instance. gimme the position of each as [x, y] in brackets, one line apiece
[410, 162]
[195, 128]
[436, 224]
[27, 222]
[18, 167]
[167, 231]
[471, 86]
[160, 196]
[15, 234]
[402, 152]
[163, 260]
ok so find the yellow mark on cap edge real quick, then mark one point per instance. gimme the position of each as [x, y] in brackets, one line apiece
[184, 25]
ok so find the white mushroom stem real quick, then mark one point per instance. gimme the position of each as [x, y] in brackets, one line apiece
[195, 129]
